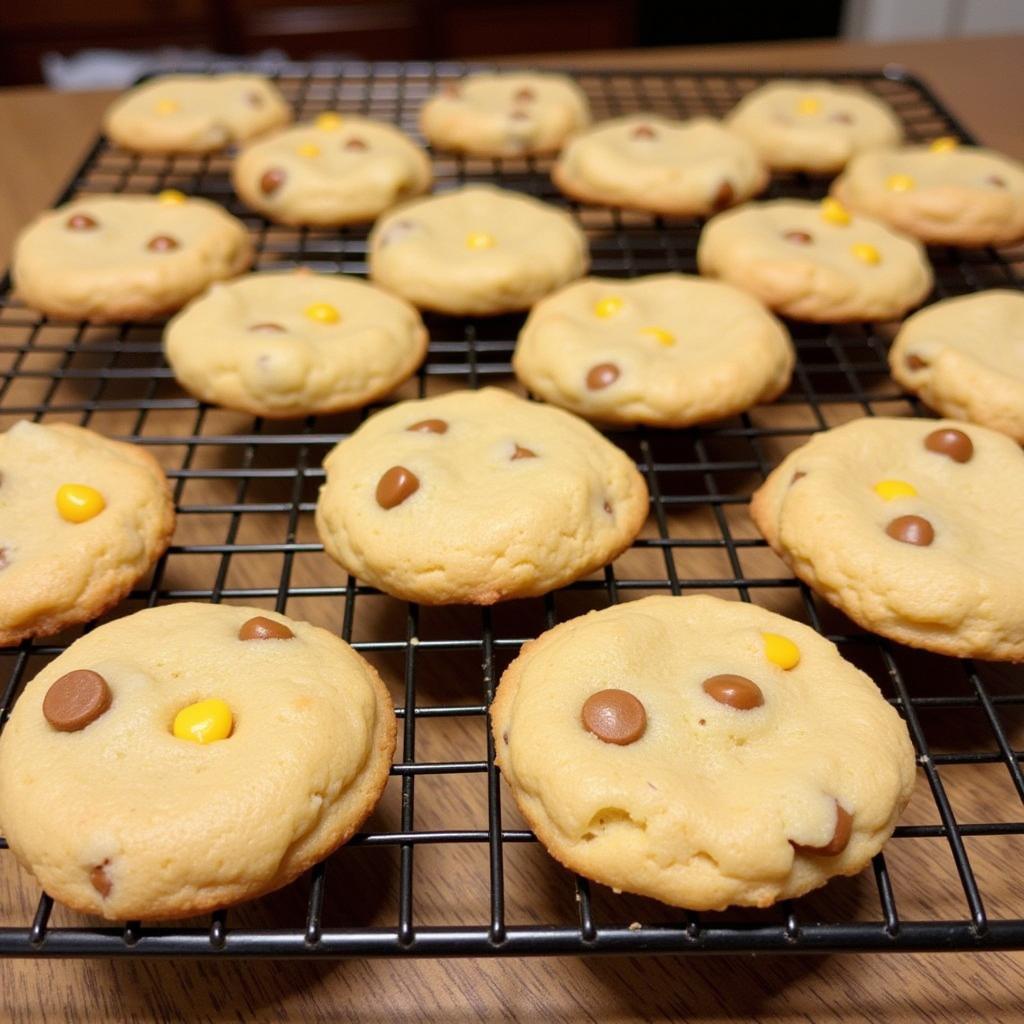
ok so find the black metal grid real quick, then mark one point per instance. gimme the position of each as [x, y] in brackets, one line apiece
[229, 471]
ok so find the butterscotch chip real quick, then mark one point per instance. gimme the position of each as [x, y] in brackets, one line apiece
[839, 841]
[735, 691]
[911, 530]
[954, 443]
[397, 484]
[75, 700]
[614, 716]
[259, 627]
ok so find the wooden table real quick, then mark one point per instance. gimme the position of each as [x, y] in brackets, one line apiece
[45, 135]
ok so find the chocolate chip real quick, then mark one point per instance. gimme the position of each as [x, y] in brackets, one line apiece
[724, 196]
[75, 700]
[735, 691]
[81, 222]
[911, 530]
[397, 484]
[602, 375]
[259, 627]
[525, 95]
[394, 232]
[430, 427]
[355, 145]
[996, 181]
[100, 879]
[614, 716]
[523, 453]
[954, 443]
[272, 180]
[841, 117]
[915, 362]
[644, 131]
[799, 237]
[838, 842]
[162, 243]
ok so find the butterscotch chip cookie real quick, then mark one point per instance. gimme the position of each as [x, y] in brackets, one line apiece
[294, 344]
[965, 358]
[82, 520]
[645, 162]
[478, 250]
[668, 350]
[510, 114]
[338, 169]
[816, 261]
[903, 525]
[813, 126]
[702, 752]
[476, 497]
[943, 194]
[126, 257]
[195, 113]
[191, 756]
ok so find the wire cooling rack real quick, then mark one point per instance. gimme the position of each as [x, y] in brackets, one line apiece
[445, 867]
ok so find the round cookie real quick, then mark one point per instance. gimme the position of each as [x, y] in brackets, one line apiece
[906, 525]
[813, 126]
[816, 261]
[646, 162]
[107, 258]
[338, 169]
[191, 756]
[667, 350]
[702, 752]
[476, 497]
[194, 113]
[505, 115]
[943, 194]
[293, 343]
[82, 520]
[965, 358]
[478, 250]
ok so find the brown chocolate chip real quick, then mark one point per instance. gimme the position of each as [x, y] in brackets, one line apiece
[162, 243]
[523, 453]
[75, 700]
[272, 180]
[644, 131]
[996, 181]
[916, 362]
[397, 484]
[799, 237]
[954, 443]
[100, 879]
[838, 842]
[602, 375]
[841, 117]
[355, 145]
[735, 691]
[615, 716]
[259, 627]
[725, 196]
[911, 530]
[430, 427]
[81, 222]
[525, 94]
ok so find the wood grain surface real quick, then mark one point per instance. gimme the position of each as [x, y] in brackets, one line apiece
[46, 134]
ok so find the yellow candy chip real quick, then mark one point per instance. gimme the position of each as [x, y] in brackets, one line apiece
[808, 105]
[171, 197]
[943, 144]
[308, 149]
[206, 721]
[780, 650]
[328, 121]
[660, 335]
[866, 252]
[834, 212]
[167, 106]
[323, 313]
[899, 183]
[888, 490]
[608, 306]
[78, 503]
[479, 240]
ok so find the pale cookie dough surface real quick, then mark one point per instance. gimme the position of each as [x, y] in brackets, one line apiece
[515, 114]
[960, 196]
[965, 358]
[646, 162]
[805, 266]
[195, 113]
[170, 827]
[55, 573]
[667, 350]
[107, 258]
[338, 169]
[476, 497]
[957, 590]
[813, 126]
[710, 805]
[294, 344]
[478, 250]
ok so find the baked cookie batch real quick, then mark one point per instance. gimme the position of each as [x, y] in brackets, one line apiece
[703, 752]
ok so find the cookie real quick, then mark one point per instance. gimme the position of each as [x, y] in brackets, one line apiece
[194, 113]
[905, 525]
[476, 497]
[338, 169]
[189, 757]
[82, 520]
[702, 752]
[965, 358]
[943, 194]
[294, 343]
[816, 261]
[505, 115]
[646, 162]
[813, 126]
[478, 250]
[668, 350]
[107, 258]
